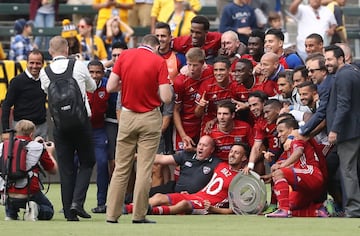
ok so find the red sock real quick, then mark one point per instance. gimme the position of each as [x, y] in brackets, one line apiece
[161, 210]
[281, 190]
[129, 208]
[273, 199]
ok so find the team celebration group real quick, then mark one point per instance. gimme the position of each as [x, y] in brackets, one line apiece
[170, 123]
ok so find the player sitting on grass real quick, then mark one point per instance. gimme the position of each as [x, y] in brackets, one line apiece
[213, 198]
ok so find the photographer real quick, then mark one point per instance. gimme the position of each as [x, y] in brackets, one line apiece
[29, 195]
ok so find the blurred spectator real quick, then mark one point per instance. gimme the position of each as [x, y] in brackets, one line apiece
[238, 16]
[165, 10]
[76, 17]
[275, 21]
[21, 44]
[112, 33]
[340, 35]
[111, 8]
[92, 46]
[312, 18]
[70, 33]
[139, 15]
[45, 17]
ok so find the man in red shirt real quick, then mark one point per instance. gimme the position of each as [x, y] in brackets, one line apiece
[228, 131]
[301, 170]
[186, 87]
[142, 91]
[213, 91]
[199, 37]
[39, 207]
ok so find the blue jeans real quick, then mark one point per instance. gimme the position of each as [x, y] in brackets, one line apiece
[46, 209]
[47, 21]
[101, 155]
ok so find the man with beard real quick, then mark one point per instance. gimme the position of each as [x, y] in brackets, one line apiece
[342, 116]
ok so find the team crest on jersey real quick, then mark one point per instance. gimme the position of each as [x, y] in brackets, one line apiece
[206, 170]
[237, 139]
[101, 94]
[188, 164]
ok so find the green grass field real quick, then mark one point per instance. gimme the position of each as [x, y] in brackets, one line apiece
[183, 225]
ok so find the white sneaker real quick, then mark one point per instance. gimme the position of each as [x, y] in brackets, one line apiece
[31, 212]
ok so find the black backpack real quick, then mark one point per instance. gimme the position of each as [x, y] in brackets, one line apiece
[66, 103]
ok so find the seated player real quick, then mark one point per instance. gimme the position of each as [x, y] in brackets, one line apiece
[213, 198]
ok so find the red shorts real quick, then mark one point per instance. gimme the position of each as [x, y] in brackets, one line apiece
[177, 140]
[307, 186]
[196, 201]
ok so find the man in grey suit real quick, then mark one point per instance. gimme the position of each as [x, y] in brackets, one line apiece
[343, 124]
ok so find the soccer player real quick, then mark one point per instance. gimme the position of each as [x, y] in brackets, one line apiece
[301, 171]
[228, 131]
[212, 197]
[186, 87]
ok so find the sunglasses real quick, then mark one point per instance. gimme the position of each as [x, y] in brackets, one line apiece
[82, 26]
[312, 71]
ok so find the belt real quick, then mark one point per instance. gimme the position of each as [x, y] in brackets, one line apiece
[126, 109]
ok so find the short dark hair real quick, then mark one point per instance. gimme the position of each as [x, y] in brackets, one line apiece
[245, 146]
[227, 104]
[276, 32]
[36, 51]
[259, 94]
[289, 123]
[288, 75]
[96, 63]
[163, 25]
[302, 69]
[316, 36]
[223, 59]
[120, 45]
[338, 52]
[258, 34]
[309, 84]
[247, 63]
[203, 20]
[273, 103]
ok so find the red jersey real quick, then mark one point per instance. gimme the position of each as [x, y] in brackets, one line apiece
[216, 191]
[268, 135]
[269, 87]
[308, 159]
[211, 46]
[241, 132]
[214, 95]
[241, 93]
[142, 82]
[98, 101]
[185, 89]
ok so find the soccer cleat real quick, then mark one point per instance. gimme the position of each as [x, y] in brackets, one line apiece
[322, 212]
[31, 212]
[279, 213]
[329, 204]
[270, 209]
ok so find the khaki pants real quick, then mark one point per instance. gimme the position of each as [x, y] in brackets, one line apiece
[141, 132]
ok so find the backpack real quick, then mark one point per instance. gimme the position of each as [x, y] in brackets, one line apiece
[66, 102]
[16, 166]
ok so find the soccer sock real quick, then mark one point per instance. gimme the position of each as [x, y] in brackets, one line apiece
[129, 208]
[273, 199]
[161, 210]
[281, 190]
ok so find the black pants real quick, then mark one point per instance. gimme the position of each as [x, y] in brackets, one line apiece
[74, 185]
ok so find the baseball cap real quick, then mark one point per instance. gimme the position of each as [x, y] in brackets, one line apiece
[20, 24]
[68, 29]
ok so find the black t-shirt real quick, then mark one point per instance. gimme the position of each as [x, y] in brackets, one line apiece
[194, 174]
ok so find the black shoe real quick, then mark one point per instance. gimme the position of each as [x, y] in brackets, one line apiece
[112, 221]
[72, 218]
[79, 211]
[144, 221]
[99, 209]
